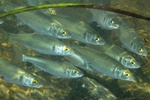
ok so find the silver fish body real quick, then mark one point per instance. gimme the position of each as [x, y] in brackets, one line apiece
[118, 54]
[15, 74]
[41, 43]
[42, 24]
[131, 40]
[78, 61]
[104, 64]
[60, 69]
[104, 19]
[79, 30]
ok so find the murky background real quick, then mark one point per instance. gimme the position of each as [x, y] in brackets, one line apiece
[87, 87]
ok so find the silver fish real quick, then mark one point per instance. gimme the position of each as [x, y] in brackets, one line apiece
[104, 19]
[42, 24]
[79, 30]
[41, 43]
[104, 64]
[118, 54]
[60, 69]
[15, 74]
[131, 40]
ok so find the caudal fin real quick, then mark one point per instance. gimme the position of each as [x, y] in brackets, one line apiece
[18, 54]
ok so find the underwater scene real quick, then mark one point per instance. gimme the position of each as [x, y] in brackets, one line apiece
[74, 53]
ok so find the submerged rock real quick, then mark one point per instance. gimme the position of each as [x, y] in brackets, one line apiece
[88, 89]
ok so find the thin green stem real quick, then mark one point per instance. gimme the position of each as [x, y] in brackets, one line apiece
[79, 5]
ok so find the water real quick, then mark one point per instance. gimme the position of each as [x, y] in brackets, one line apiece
[69, 89]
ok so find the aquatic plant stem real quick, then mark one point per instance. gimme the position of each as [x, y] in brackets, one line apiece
[78, 5]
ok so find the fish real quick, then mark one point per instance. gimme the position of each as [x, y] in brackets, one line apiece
[41, 24]
[79, 30]
[59, 69]
[78, 61]
[118, 54]
[41, 43]
[104, 64]
[130, 39]
[104, 19]
[13, 73]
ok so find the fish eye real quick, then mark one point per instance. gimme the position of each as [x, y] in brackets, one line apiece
[75, 71]
[112, 21]
[66, 49]
[51, 11]
[127, 74]
[97, 38]
[34, 81]
[63, 32]
[140, 49]
[132, 62]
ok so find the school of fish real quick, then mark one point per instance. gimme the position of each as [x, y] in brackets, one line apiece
[51, 33]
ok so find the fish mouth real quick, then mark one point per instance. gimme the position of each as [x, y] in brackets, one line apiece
[115, 26]
[40, 86]
[102, 42]
[136, 66]
[144, 54]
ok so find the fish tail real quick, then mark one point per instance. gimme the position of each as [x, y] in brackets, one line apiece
[4, 35]
[19, 56]
[10, 7]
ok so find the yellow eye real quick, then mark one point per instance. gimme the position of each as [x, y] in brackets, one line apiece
[132, 62]
[97, 38]
[75, 71]
[63, 32]
[51, 11]
[34, 81]
[127, 74]
[140, 49]
[66, 49]
[112, 21]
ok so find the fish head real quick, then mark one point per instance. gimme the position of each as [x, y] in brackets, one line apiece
[58, 30]
[124, 74]
[129, 62]
[110, 23]
[73, 72]
[31, 81]
[62, 50]
[52, 11]
[94, 39]
[139, 48]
